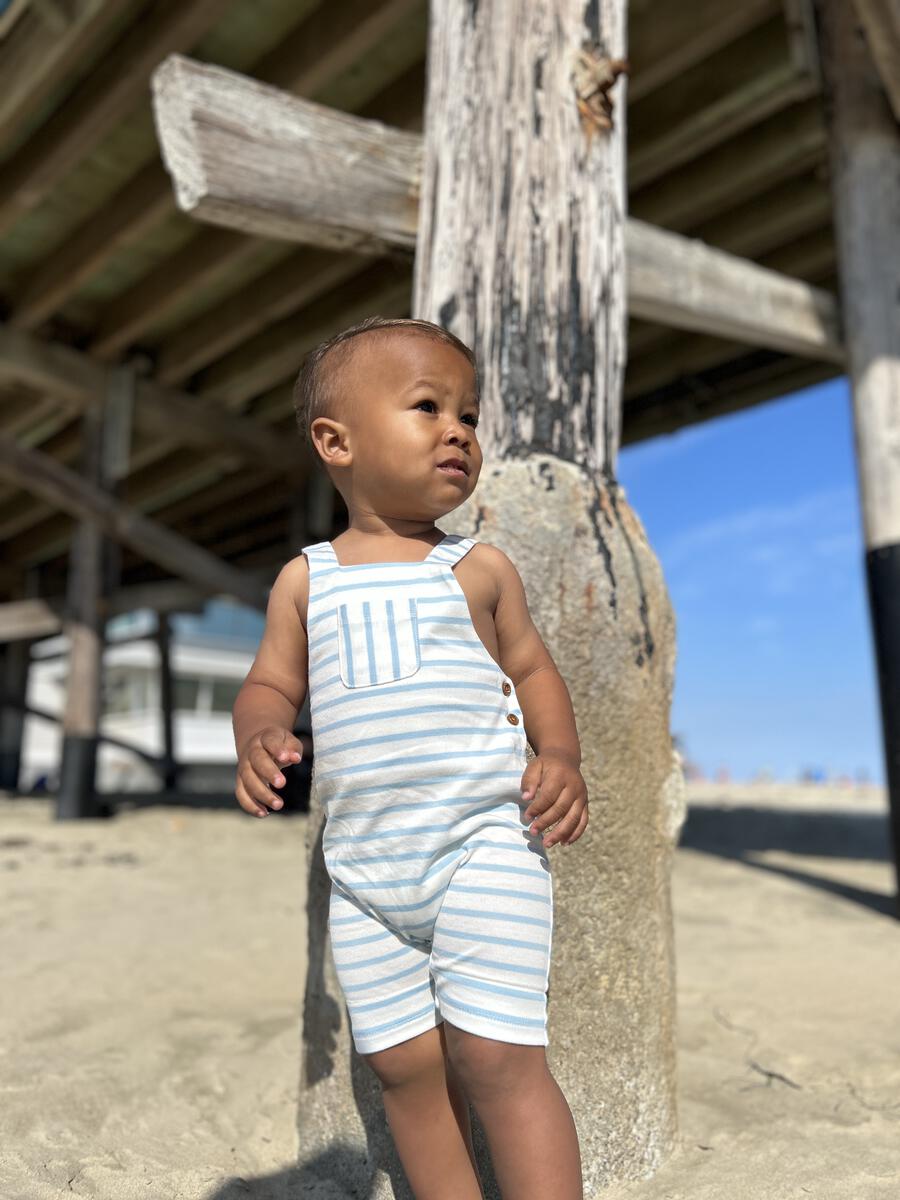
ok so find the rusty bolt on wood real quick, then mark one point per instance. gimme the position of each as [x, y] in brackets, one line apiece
[593, 76]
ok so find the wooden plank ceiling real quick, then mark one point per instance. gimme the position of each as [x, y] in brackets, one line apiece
[726, 144]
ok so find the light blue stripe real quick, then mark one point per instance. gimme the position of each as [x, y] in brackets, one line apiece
[370, 1029]
[488, 914]
[416, 806]
[362, 941]
[424, 781]
[489, 891]
[370, 641]
[393, 689]
[396, 999]
[491, 962]
[418, 904]
[433, 731]
[496, 941]
[325, 601]
[503, 1018]
[499, 989]
[508, 870]
[413, 758]
[389, 714]
[348, 650]
[390, 883]
[392, 634]
[406, 855]
[369, 962]
[378, 835]
[366, 985]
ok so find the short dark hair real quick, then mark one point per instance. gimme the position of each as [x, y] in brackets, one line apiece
[315, 394]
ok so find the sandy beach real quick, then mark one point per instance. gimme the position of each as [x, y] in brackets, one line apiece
[153, 975]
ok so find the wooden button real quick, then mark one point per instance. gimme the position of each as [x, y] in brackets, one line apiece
[506, 689]
[512, 718]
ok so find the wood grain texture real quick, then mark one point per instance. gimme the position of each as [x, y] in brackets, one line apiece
[865, 158]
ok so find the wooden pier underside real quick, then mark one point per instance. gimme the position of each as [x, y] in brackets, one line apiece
[727, 150]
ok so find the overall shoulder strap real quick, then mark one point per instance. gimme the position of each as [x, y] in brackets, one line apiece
[320, 557]
[452, 549]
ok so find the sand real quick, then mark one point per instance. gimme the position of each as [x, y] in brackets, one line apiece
[153, 974]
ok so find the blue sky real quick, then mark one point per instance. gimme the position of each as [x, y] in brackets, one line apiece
[756, 521]
[755, 518]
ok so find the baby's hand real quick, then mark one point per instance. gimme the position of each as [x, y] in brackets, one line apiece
[258, 767]
[563, 797]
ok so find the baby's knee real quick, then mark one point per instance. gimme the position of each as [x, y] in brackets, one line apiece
[418, 1060]
[488, 1067]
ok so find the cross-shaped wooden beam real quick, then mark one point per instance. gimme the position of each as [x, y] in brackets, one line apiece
[245, 155]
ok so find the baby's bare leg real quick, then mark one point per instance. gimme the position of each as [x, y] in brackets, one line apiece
[428, 1116]
[529, 1127]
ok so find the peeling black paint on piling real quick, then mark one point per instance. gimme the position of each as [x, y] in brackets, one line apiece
[536, 121]
[591, 18]
[448, 311]
[643, 606]
[546, 471]
[593, 511]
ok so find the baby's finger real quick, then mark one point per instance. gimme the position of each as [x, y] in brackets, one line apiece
[565, 827]
[531, 781]
[266, 768]
[580, 828]
[552, 807]
[246, 801]
[258, 789]
[283, 746]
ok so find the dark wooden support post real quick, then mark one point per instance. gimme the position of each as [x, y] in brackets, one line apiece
[14, 664]
[84, 627]
[167, 700]
[94, 573]
[865, 169]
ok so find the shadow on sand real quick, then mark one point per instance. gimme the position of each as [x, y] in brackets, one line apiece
[741, 832]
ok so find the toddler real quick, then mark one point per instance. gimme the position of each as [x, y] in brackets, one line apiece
[426, 677]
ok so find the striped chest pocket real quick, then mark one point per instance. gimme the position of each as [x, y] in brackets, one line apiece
[378, 640]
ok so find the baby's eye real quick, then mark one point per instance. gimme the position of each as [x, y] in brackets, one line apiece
[468, 417]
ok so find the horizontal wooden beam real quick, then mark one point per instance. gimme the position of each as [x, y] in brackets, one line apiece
[39, 618]
[181, 472]
[34, 59]
[679, 281]
[136, 207]
[203, 113]
[43, 476]
[285, 289]
[782, 147]
[666, 39]
[248, 156]
[308, 58]
[109, 92]
[44, 714]
[175, 416]
[881, 22]
[767, 84]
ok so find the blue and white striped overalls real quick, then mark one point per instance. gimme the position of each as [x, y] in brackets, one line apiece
[441, 900]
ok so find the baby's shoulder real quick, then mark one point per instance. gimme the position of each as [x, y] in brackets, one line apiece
[491, 558]
[293, 579]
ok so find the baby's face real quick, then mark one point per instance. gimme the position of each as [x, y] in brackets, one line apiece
[414, 408]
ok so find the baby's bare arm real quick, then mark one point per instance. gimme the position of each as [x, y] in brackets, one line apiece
[272, 694]
[545, 700]
[552, 782]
